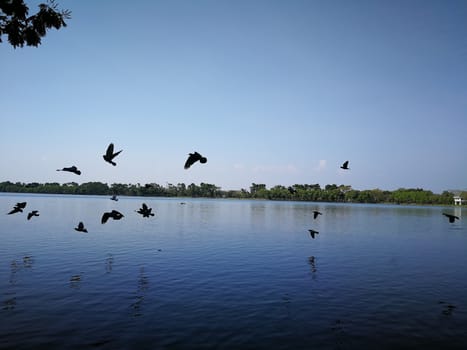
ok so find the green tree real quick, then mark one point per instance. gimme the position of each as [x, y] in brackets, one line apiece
[258, 190]
[22, 29]
[93, 188]
[279, 192]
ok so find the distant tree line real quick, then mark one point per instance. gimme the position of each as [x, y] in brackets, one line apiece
[305, 192]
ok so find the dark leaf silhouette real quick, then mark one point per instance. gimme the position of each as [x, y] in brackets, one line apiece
[23, 30]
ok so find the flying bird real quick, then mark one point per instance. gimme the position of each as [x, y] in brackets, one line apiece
[452, 218]
[145, 211]
[18, 208]
[345, 166]
[316, 213]
[194, 157]
[81, 227]
[33, 213]
[114, 198]
[71, 169]
[116, 215]
[110, 155]
[313, 233]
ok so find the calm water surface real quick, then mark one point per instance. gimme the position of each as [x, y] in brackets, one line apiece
[230, 274]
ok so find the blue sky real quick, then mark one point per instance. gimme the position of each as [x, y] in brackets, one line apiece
[274, 92]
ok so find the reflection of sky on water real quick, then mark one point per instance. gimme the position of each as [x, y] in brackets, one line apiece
[229, 272]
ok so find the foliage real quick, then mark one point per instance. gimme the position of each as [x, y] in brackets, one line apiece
[297, 192]
[22, 29]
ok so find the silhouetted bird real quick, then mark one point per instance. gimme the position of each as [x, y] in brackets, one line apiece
[110, 155]
[316, 213]
[345, 166]
[452, 218]
[292, 190]
[113, 214]
[18, 208]
[194, 157]
[145, 211]
[33, 213]
[313, 233]
[114, 198]
[71, 169]
[81, 227]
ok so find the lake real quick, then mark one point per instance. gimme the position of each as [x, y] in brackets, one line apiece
[230, 274]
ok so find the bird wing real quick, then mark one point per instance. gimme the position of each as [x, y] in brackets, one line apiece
[110, 151]
[189, 161]
[192, 159]
[21, 205]
[105, 217]
[450, 216]
[145, 207]
[30, 215]
[346, 164]
[116, 154]
[80, 225]
[116, 214]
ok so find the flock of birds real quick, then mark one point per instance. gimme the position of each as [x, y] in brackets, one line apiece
[145, 211]
[109, 156]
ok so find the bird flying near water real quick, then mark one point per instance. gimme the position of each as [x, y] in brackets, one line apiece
[81, 227]
[316, 213]
[18, 208]
[194, 157]
[145, 211]
[33, 213]
[114, 198]
[71, 169]
[345, 166]
[114, 214]
[110, 155]
[451, 218]
[313, 233]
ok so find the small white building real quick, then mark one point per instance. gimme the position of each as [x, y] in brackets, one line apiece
[458, 200]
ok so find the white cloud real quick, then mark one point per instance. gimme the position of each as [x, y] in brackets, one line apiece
[321, 165]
